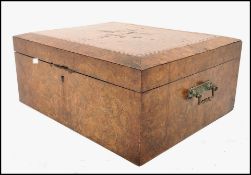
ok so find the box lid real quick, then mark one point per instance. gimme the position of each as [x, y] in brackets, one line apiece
[127, 55]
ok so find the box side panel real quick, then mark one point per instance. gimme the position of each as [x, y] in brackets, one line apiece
[103, 70]
[204, 59]
[104, 113]
[169, 117]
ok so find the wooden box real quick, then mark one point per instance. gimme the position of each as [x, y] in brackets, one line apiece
[135, 90]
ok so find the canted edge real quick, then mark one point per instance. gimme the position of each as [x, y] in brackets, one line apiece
[84, 49]
[170, 55]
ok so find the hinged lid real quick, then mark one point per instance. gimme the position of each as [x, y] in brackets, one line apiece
[135, 57]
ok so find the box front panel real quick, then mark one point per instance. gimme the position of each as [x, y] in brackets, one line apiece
[39, 85]
[105, 113]
[169, 116]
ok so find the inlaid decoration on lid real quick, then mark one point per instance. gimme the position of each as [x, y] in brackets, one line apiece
[135, 40]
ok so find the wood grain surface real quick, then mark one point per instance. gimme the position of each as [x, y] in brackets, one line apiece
[107, 114]
[137, 126]
[122, 88]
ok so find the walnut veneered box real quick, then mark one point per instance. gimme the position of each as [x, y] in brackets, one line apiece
[133, 89]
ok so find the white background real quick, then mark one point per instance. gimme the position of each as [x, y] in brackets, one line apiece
[33, 143]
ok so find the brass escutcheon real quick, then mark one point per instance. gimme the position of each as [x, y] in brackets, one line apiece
[197, 91]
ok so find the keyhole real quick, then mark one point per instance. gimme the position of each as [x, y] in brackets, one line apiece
[62, 78]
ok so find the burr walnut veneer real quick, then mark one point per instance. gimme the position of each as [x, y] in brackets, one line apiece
[136, 90]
